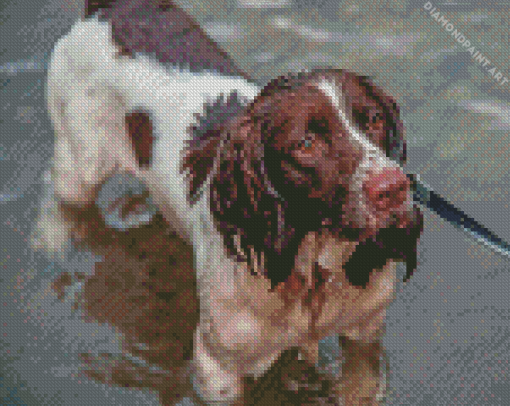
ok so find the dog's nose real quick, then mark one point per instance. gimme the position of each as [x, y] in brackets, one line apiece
[387, 189]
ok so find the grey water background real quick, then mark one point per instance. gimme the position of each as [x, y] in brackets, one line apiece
[448, 331]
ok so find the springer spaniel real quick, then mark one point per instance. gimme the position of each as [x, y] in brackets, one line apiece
[288, 195]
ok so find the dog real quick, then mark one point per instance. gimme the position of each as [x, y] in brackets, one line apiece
[287, 195]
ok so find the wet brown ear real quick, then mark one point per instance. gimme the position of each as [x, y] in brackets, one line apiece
[245, 204]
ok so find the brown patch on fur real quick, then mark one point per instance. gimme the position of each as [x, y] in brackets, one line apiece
[162, 29]
[139, 128]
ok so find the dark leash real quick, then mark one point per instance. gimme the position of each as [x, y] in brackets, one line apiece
[427, 198]
[424, 195]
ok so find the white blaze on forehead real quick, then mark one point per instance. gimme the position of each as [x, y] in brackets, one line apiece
[333, 91]
[373, 157]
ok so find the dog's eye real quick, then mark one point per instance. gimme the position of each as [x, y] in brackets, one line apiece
[307, 144]
[318, 126]
[369, 119]
[375, 117]
[314, 127]
[376, 121]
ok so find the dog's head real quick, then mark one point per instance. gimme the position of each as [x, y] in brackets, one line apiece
[312, 152]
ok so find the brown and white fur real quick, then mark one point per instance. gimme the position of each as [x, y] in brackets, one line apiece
[286, 194]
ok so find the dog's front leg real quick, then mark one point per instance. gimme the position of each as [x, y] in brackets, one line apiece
[212, 383]
[364, 372]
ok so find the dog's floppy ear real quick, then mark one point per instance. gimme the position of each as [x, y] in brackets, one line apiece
[230, 151]
[244, 202]
[240, 198]
[227, 146]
